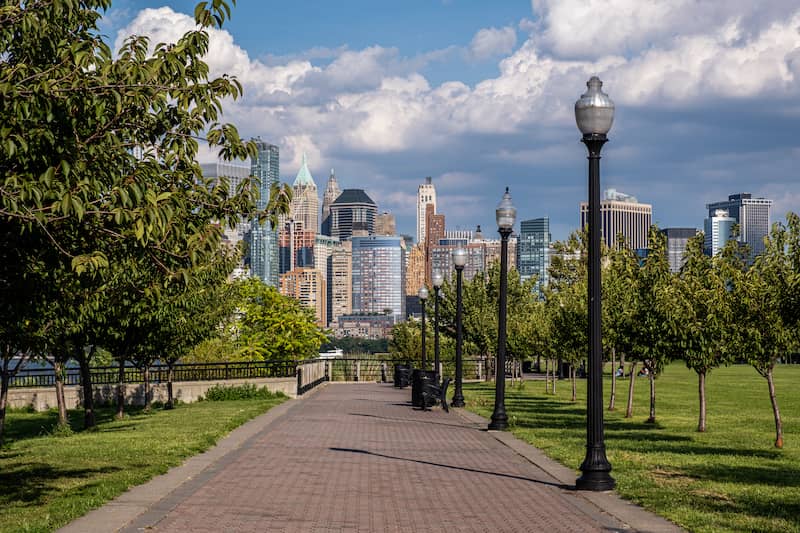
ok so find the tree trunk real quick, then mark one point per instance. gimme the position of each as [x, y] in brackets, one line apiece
[629, 410]
[58, 368]
[613, 398]
[88, 394]
[121, 389]
[572, 377]
[547, 375]
[652, 376]
[701, 385]
[554, 375]
[170, 400]
[4, 380]
[146, 376]
[775, 410]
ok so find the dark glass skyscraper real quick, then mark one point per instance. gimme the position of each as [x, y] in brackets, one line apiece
[752, 215]
[533, 247]
[352, 211]
[263, 239]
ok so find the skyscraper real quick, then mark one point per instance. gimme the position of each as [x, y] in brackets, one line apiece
[332, 192]
[307, 286]
[752, 215]
[718, 231]
[426, 195]
[677, 239]
[533, 250]
[305, 202]
[340, 281]
[385, 224]
[378, 275]
[264, 262]
[234, 172]
[621, 214]
[353, 211]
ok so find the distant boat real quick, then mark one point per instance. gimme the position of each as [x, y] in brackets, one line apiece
[336, 353]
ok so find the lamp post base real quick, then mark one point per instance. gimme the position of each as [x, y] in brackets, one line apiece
[457, 402]
[596, 471]
[499, 423]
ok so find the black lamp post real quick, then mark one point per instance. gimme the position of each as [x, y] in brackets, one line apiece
[423, 295]
[505, 214]
[594, 114]
[459, 260]
[437, 279]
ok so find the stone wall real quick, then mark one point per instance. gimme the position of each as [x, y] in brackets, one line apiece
[44, 398]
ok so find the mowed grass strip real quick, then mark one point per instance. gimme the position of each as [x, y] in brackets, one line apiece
[47, 481]
[730, 478]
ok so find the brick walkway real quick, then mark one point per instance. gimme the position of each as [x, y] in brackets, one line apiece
[357, 458]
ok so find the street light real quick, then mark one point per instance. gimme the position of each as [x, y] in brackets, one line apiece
[459, 260]
[594, 114]
[505, 214]
[423, 295]
[437, 279]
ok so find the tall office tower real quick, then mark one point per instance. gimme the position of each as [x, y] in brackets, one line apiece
[296, 246]
[718, 231]
[677, 239]
[378, 276]
[441, 259]
[332, 192]
[491, 252]
[621, 214]
[307, 286]
[434, 230]
[234, 172]
[351, 212]
[385, 224]
[426, 195]
[305, 202]
[264, 261]
[533, 251]
[415, 270]
[752, 215]
[340, 281]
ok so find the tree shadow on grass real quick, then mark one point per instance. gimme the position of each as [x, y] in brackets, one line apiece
[778, 475]
[21, 426]
[769, 506]
[33, 482]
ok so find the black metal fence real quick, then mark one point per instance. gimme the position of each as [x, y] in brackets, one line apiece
[109, 375]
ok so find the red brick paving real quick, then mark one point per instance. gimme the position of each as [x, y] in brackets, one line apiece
[357, 458]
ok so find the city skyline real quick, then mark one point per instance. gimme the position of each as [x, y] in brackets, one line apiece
[481, 99]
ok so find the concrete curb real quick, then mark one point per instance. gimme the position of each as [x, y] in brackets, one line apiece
[138, 500]
[636, 518]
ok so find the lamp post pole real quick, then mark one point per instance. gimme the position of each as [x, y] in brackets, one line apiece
[459, 259]
[594, 113]
[505, 222]
[423, 295]
[438, 279]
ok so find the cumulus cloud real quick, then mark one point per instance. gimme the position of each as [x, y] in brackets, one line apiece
[492, 42]
[374, 104]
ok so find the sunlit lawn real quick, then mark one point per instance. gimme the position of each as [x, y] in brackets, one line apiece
[729, 478]
[47, 481]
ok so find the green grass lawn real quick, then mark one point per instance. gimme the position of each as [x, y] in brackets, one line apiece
[46, 481]
[730, 478]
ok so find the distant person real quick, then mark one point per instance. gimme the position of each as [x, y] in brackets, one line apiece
[620, 372]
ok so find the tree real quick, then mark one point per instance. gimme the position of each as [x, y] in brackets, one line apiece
[766, 330]
[272, 326]
[700, 315]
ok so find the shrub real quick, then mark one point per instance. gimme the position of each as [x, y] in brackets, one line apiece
[248, 391]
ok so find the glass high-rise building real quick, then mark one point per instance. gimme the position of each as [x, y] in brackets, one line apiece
[264, 259]
[751, 214]
[677, 240]
[533, 250]
[378, 275]
[353, 211]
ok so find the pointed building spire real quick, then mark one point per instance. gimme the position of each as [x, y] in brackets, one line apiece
[304, 178]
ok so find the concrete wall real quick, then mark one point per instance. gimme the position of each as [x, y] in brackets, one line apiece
[44, 398]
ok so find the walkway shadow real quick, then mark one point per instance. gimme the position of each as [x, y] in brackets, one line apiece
[394, 419]
[462, 468]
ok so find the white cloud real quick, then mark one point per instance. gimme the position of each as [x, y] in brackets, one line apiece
[493, 42]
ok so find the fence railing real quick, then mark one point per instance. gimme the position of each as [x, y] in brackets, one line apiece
[109, 375]
[309, 373]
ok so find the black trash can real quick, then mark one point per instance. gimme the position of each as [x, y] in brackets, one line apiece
[401, 375]
[419, 378]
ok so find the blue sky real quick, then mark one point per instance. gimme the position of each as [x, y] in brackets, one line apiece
[479, 96]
